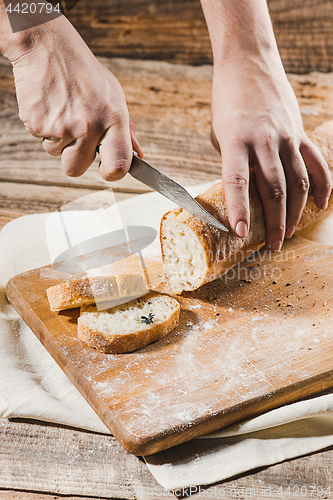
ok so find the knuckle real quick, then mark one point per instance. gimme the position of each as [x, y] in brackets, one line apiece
[301, 186]
[306, 146]
[33, 126]
[81, 130]
[118, 118]
[53, 151]
[236, 134]
[267, 140]
[288, 141]
[22, 115]
[62, 130]
[122, 156]
[116, 168]
[276, 193]
[121, 165]
[236, 181]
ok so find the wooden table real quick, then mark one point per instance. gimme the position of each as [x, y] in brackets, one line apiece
[170, 106]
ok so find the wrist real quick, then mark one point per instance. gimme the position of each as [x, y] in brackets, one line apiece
[14, 45]
[234, 45]
[260, 57]
[240, 31]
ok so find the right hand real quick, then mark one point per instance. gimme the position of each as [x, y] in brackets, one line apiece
[256, 123]
[73, 102]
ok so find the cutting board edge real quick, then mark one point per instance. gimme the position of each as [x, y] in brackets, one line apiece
[257, 406]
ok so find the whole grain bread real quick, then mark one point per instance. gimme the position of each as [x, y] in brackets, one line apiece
[195, 253]
[130, 326]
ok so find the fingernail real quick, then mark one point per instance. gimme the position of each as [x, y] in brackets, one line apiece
[324, 204]
[241, 229]
[276, 246]
[290, 231]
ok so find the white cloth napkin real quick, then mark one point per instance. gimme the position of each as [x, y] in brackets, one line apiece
[33, 386]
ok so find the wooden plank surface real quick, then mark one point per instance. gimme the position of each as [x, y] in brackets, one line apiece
[23, 198]
[170, 107]
[270, 317]
[175, 31]
[33, 454]
[67, 461]
[17, 199]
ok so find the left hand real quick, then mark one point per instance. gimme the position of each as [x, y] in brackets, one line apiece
[68, 98]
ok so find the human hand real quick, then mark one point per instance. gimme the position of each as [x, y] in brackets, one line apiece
[256, 123]
[68, 98]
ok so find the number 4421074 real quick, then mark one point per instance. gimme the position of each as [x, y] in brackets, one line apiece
[32, 8]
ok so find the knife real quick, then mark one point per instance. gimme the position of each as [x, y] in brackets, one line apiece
[142, 171]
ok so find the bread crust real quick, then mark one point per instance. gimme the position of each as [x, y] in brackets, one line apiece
[120, 343]
[322, 137]
[224, 250]
[87, 290]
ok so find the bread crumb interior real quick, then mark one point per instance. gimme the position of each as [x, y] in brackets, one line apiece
[184, 258]
[126, 318]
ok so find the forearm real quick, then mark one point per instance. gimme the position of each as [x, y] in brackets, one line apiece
[239, 27]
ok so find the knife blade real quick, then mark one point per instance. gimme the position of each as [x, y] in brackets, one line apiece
[145, 173]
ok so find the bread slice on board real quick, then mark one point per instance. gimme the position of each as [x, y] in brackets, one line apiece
[195, 253]
[101, 289]
[130, 326]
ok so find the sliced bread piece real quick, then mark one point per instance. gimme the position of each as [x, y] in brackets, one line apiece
[130, 326]
[89, 290]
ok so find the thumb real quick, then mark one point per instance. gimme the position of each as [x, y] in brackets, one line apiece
[116, 150]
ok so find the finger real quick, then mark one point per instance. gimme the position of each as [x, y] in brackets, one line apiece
[214, 141]
[54, 145]
[271, 183]
[116, 150]
[235, 180]
[321, 181]
[297, 187]
[135, 143]
[77, 157]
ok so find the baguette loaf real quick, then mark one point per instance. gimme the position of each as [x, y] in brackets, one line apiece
[89, 290]
[195, 253]
[130, 326]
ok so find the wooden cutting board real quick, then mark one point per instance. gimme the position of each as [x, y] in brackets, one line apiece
[257, 338]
